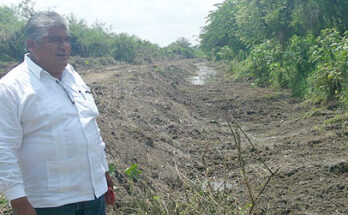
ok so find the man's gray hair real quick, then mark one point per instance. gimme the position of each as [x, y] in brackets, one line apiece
[38, 26]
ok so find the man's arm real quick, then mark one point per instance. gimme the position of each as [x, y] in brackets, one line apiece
[21, 206]
[103, 155]
[11, 182]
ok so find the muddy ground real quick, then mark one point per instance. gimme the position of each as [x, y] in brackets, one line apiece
[153, 116]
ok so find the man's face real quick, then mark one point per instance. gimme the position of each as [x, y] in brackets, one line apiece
[53, 52]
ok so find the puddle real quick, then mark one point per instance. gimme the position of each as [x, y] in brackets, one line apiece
[217, 185]
[203, 74]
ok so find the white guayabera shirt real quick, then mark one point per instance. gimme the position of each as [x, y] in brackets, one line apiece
[50, 145]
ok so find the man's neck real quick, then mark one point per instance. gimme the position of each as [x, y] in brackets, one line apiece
[56, 74]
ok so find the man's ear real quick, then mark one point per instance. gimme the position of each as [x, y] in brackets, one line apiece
[31, 44]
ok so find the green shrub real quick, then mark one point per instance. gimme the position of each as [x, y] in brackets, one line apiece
[329, 80]
[241, 68]
[226, 53]
[279, 76]
[11, 35]
[296, 62]
[124, 48]
[263, 58]
[181, 47]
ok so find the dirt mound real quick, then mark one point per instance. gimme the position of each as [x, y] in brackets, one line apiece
[144, 118]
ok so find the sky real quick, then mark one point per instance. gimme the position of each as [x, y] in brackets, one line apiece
[158, 21]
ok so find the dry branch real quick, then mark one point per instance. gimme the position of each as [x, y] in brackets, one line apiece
[235, 129]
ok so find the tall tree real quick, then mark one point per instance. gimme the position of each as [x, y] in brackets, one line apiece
[221, 29]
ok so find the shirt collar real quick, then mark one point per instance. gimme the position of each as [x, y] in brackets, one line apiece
[34, 68]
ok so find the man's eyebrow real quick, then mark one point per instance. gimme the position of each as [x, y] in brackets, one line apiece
[58, 37]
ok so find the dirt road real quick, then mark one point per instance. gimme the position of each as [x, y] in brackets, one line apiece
[153, 116]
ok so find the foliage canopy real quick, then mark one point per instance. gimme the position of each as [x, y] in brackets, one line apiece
[97, 40]
[296, 44]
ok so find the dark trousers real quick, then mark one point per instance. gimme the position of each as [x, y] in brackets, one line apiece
[93, 207]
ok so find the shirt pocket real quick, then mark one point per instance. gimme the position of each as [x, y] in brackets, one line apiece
[64, 175]
[90, 100]
[85, 101]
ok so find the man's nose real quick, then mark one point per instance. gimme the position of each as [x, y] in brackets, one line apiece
[64, 44]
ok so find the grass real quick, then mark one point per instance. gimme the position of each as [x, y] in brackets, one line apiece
[4, 206]
[339, 120]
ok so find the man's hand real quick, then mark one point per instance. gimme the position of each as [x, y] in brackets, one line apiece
[21, 206]
[109, 195]
[109, 180]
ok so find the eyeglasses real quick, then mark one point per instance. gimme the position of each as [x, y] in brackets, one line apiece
[67, 92]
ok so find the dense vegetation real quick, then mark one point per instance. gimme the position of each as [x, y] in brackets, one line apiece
[301, 45]
[96, 41]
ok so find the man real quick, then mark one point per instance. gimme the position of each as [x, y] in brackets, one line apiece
[52, 158]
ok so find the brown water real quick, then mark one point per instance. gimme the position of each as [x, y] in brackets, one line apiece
[203, 74]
